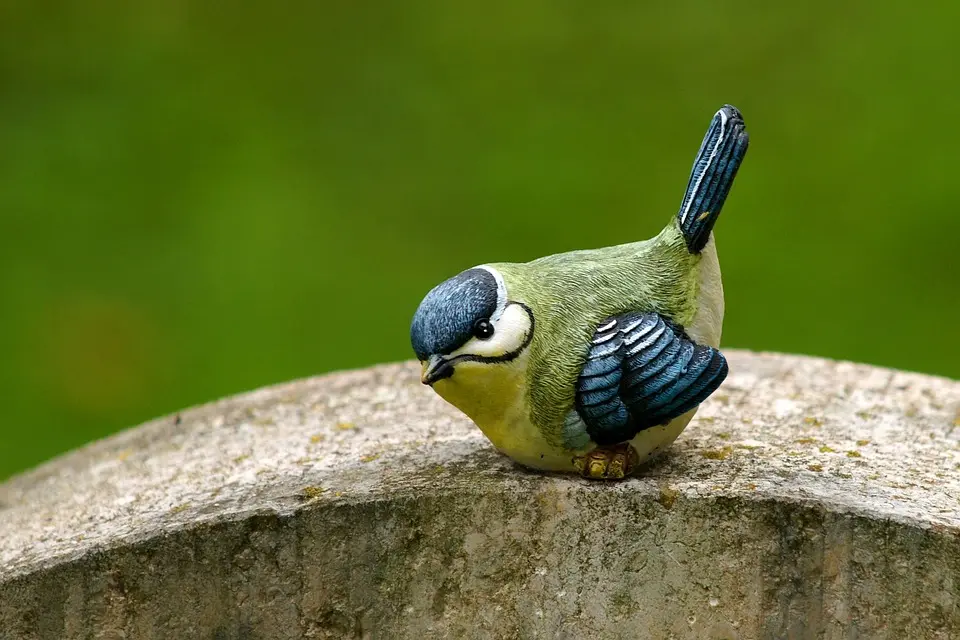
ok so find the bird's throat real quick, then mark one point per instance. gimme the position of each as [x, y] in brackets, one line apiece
[490, 395]
[495, 398]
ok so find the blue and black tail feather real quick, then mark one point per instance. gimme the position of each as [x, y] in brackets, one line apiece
[712, 176]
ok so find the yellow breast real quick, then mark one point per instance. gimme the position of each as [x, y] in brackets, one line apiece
[495, 398]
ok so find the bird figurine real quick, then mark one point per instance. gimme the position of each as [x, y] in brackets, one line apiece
[591, 361]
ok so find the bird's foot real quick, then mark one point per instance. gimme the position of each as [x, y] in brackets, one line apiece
[608, 463]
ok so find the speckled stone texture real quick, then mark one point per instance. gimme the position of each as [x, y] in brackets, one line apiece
[808, 499]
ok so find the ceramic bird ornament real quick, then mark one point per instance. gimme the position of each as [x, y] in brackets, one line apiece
[593, 361]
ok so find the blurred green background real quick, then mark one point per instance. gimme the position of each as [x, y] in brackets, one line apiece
[202, 198]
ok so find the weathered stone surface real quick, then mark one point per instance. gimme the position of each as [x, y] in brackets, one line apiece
[809, 499]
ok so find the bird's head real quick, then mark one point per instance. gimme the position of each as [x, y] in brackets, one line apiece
[469, 319]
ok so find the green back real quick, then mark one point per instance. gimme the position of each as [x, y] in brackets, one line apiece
[571, 293]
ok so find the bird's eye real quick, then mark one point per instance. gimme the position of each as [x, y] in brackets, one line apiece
[482, 329]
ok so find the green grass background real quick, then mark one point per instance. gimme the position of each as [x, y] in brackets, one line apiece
[202, 198]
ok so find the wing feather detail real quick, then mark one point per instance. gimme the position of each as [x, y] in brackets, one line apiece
[642, 370]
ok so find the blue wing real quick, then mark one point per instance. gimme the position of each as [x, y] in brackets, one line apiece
[642, 370]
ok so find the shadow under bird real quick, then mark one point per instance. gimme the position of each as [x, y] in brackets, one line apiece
[591, 361]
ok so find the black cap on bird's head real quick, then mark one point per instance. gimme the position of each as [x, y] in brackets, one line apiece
[468, 319]
[449, 315]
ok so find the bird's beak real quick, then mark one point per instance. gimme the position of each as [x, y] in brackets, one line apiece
[436, 368]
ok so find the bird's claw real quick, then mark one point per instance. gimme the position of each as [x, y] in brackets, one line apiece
[607, 463]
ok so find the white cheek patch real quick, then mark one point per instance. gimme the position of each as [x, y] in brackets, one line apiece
[510, 332]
